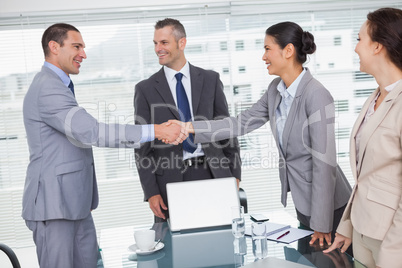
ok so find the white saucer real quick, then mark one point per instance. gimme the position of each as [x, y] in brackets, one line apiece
[135, 249]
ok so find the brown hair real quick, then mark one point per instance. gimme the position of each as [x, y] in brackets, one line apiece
[385, 27]
[178, 29]
[58, 33]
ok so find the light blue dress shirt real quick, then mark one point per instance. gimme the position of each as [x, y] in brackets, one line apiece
[290, 94]
[148, 132]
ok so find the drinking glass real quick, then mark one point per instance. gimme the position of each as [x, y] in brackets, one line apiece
[238, 225]
[259, 237]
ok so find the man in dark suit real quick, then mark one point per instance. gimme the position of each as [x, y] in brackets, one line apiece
[180, 90]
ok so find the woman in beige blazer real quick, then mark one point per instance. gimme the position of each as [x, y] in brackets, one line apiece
[373, 216]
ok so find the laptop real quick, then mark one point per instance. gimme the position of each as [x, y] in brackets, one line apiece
[201, 203]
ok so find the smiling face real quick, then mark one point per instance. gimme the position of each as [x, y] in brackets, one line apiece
[273, 56]
[69, 56]
[365, 48]
[169, 51]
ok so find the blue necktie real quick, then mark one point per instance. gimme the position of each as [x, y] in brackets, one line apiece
[184, 111]
[71, 86]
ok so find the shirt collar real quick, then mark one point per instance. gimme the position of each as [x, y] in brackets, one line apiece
[291, 90]
[170, 73]
[60, 73]
[392, 86]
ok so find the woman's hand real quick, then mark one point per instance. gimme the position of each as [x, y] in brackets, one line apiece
[341, 242]
[321, 237]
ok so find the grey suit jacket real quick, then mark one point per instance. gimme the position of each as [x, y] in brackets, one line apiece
[158, 163]
[307, 164]
[60, 180]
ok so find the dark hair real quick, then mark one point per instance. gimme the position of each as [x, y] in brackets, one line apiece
[178, 28]
[58, 33]
[385, 27]
[290, 33]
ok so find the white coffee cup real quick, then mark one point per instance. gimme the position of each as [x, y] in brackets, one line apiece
[145, 239]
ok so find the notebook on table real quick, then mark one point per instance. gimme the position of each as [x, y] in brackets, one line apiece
[202, 203]
[282, 232]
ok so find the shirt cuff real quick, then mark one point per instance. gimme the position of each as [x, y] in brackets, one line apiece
[148, 133]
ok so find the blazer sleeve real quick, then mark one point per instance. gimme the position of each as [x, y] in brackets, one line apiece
[230, 127]
[320, 126]
[230, 147]
[145, 155]
[59, 109]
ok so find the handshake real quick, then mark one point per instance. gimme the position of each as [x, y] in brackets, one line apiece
[173, 131]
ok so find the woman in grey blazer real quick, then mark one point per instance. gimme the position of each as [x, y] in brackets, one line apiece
[301, 114]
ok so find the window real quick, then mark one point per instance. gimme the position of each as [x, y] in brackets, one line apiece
[194, 49]
[358, 109]
[224, 45]
[365, 92]
[337, 41]
[242, 69]
[359, 76]
[341, 105]
[239, 45]
[225, 70]
[342, 133]
[259, 43]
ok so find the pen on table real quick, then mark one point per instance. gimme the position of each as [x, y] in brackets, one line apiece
[282, 235]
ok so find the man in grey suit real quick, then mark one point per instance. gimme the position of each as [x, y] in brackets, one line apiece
[60, 188]
[180, 90]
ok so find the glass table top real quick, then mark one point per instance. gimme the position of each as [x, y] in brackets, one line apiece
[210, 248]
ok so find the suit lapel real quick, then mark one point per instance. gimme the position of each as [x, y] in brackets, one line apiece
[375, 120]
[162, 87]
[359, 120]
[273, 124]
[295, 107]
[197, 81]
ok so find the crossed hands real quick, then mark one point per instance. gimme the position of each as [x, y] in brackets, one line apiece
[173, 131]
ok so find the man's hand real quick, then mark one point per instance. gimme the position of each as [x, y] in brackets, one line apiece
[156, 204]
[341, 242]
[185, 129]
[170, 133]
[321, 237]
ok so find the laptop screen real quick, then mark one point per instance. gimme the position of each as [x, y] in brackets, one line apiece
[201, 203]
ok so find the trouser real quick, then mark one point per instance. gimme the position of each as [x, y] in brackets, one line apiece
[365, 249]
[65, 243]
